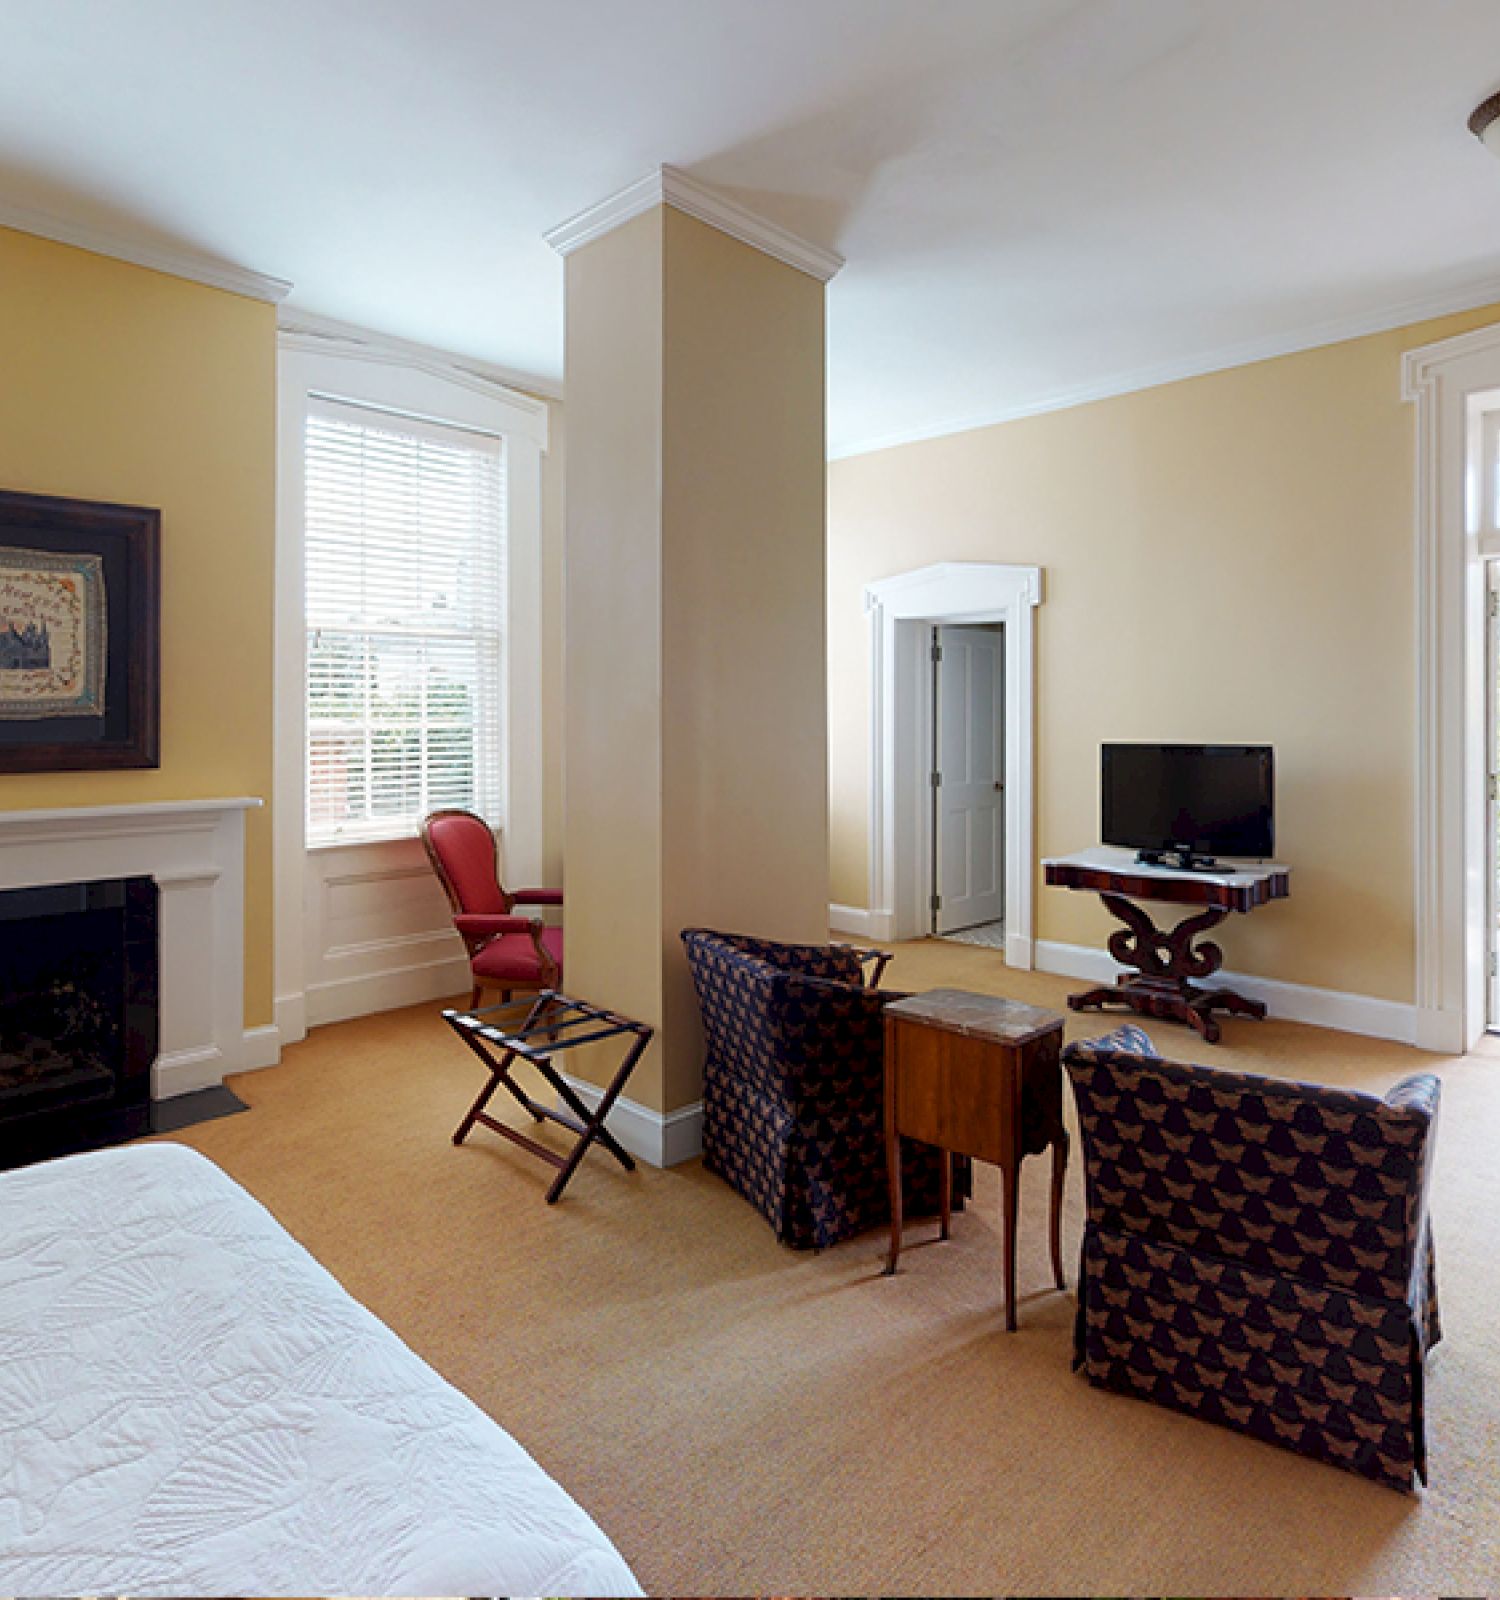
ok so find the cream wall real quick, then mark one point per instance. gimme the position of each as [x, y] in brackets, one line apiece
[1228, 559]
[745, 768]
[129, 385]
[695, 655]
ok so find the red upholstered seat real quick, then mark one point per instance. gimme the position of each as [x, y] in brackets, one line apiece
[511, 958]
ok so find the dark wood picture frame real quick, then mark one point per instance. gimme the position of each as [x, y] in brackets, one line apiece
[126, 540]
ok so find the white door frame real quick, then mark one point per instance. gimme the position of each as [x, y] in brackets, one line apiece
[901, 609]
[1449, 381]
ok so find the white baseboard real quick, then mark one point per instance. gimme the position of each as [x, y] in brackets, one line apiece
[1443, 1032]
[1020, 952]
[186, 1071]
[861, 923]
[660, 1141]
[262, 1048]
[1291, 1002]
[343, 998]
[290, 1011]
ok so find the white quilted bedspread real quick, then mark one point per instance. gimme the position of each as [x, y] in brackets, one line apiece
[190, 1404]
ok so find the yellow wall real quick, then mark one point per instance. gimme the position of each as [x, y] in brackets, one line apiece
[1228, 559]
[117, 383]
[696, 727]
[612, 577]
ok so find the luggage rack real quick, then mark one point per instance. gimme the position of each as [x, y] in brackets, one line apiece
[549, 1025]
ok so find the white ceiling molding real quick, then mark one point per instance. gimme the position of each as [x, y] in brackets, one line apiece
[1400, 314]
[175, 263]
[312, 334]
[668, 186]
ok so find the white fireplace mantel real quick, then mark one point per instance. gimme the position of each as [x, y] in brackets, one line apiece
[195, 850]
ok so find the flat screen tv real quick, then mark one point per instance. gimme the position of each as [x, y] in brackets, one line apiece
[1189, 803]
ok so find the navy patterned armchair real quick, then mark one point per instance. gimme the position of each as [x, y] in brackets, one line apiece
[793, 1087]
[1258, 1253]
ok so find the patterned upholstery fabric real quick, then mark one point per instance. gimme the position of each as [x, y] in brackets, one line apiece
[1258, 1252]
[793, 1088]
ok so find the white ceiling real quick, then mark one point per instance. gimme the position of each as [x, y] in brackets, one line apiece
[1038, 199]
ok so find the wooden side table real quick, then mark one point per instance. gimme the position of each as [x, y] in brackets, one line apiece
[982, 1077]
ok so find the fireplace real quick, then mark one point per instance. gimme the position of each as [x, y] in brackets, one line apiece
[78, 1015]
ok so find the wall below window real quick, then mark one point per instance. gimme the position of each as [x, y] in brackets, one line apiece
[377, 932]
[124, 384]
[1227, 559]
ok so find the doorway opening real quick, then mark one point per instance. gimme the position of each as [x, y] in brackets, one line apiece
[903, 611]
[968, 783]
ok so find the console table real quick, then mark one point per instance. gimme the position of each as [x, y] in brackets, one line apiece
[1164, 966]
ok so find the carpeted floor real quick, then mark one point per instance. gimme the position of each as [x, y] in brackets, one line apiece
[742, 1419]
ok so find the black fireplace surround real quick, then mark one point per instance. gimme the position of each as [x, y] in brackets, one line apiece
[78, 1016]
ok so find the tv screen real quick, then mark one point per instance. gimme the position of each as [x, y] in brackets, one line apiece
[1204, 799]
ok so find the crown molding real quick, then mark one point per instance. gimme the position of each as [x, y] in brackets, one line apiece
[175, 263]
[669, 186]
[312, 334]
[1398, 314]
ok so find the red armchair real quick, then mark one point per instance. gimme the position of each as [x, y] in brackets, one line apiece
[506, 952]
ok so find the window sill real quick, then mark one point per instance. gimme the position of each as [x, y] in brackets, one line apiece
[355, 840]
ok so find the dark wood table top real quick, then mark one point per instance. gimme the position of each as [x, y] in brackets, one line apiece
[1105, 869]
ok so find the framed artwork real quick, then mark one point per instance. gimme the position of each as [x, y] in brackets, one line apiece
[80, 605]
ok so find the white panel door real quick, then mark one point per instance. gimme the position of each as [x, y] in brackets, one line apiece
[968, 777]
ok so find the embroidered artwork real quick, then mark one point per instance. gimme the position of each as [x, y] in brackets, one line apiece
[52, 635]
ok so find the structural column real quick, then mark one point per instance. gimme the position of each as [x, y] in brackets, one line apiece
[696, 730]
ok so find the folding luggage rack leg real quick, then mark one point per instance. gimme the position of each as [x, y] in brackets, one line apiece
[550, 1025]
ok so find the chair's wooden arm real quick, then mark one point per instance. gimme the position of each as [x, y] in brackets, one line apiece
[478, 928]
[873, 961]
[537, 897]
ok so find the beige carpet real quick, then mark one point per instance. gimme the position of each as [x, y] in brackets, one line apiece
[743, 1419]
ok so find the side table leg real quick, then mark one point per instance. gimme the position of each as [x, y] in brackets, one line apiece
[1059, 1172]
[893, 1167]
[945, 1194]
[1010, 1177]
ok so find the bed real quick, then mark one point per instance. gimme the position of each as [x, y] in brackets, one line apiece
[190, 1404]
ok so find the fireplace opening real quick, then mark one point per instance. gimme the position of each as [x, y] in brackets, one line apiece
[78, 1016]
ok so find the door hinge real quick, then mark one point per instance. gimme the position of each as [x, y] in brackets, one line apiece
[1495, 602]
[937, 780]
[936, 902]
[937, 649]
[1493, 781]
[1494, 965]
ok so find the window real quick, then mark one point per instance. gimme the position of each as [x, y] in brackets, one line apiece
[405, 562]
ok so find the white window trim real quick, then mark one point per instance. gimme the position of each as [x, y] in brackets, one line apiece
[405, 379]
[1447, 382]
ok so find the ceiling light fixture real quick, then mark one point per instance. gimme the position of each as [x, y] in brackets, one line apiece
[1484, 123]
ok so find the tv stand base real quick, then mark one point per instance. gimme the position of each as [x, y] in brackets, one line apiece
[1164, 967]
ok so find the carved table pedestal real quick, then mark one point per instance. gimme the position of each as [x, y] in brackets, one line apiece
[1165, 966]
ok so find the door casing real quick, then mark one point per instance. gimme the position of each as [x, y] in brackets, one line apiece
[901, 610]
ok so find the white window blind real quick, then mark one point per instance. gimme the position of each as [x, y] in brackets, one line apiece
[405, 561]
